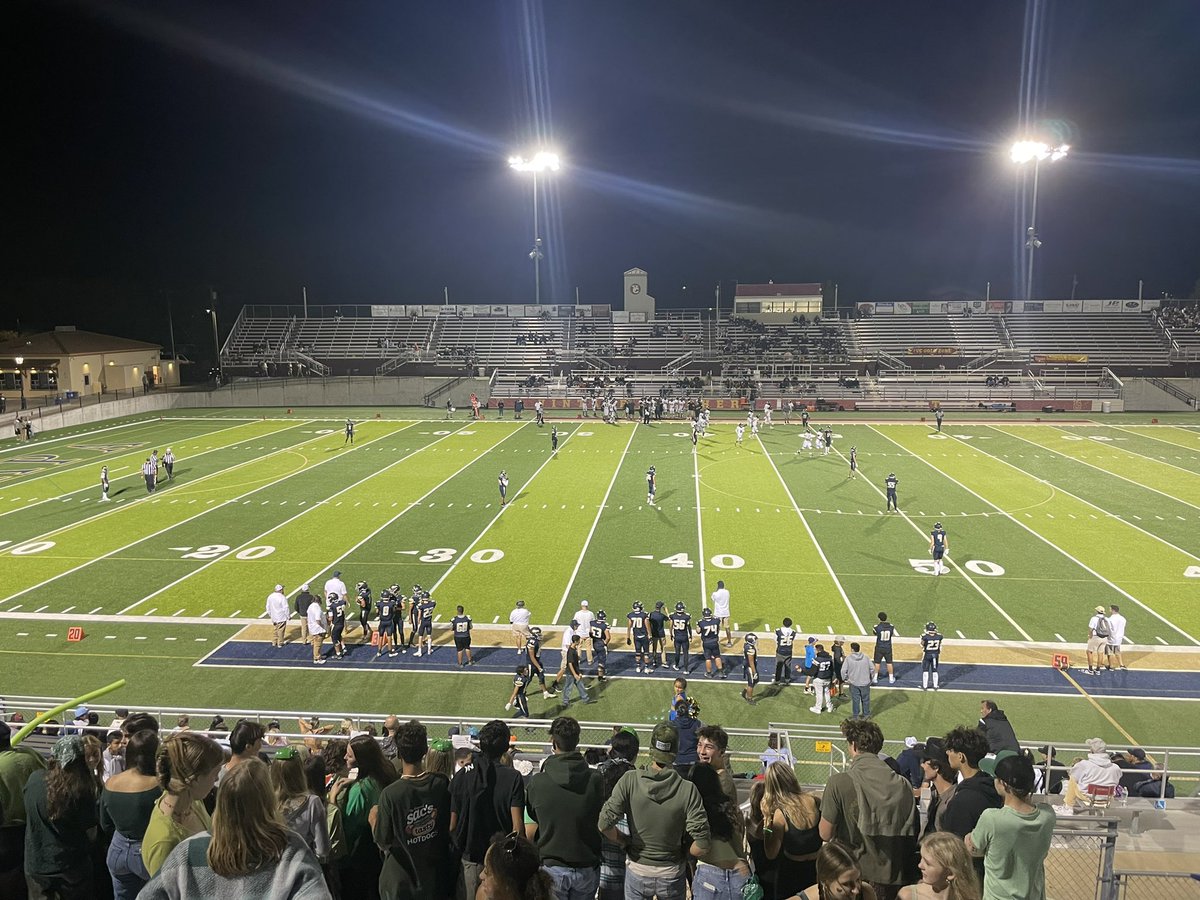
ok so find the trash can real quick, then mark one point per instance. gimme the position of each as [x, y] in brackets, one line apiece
[1106, 406]
[1047, 409]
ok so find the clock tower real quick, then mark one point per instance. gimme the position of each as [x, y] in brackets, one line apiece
[637, 299]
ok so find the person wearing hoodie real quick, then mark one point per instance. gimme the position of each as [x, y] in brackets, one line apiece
[870, 808]
[996, 728]
[660, 807]
[689, 734]
[561, 800]
[857, 672]
[1096, 768]
[965, 749]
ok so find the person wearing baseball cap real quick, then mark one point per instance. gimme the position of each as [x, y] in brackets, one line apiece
[1014, 839]
[1099, 629]
[665, 807]
[278, 611]
[304, 600]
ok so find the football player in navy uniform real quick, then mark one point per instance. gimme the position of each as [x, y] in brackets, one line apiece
[414, 613]
[884, 632]
[931, 645]
[336, 612]
[104, 484]
[785, 636]
[750, 666]
[365, 606]
[939, 414]
[533, 651]
[804, 417]
[502, 484]
[681, 633]
[637, 628]
[890, 483]
[553, 438]
[386, 607]
[651, 486]
[709, 627]
[938, 545]
[598, 632]
[822, 680]
[349, 433]
[853, 462]
[425, 622]
[518, 698]
[460, 625]
[658, 636]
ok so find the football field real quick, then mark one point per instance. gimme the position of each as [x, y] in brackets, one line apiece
[1045, 521]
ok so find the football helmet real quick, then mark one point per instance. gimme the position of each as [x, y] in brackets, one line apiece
[930, 626]
[937, 526]
[751, 638]
[637, 606]
[679, 607]
[536, 632]
[707, 612]
[602, 616]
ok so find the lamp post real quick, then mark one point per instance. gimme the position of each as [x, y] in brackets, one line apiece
[216, 341]
[20, 360]
[1024, 152]
[542, 161]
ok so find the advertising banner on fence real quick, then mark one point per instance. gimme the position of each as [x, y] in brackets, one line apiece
[933, 351]
[1058, 358]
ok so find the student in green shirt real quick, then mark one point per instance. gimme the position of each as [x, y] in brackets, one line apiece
[369, 774]
[1014, 839]
[188, 764]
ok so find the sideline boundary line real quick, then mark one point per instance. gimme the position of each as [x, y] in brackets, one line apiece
[704, 601]
[1100, 709]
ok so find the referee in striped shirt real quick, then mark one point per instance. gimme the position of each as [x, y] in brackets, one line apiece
[150, 470]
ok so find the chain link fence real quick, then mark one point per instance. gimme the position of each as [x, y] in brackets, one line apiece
[1156, 886]
[1079, 865]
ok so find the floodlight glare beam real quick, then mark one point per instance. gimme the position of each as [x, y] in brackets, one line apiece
[542, 161]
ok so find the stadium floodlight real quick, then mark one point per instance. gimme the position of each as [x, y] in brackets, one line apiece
[1036, 152]
[539, 163]
[20, 361]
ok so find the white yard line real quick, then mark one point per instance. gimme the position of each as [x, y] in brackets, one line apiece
[142, 499]
[1076, 459]
[812, 537]
[1042, 538]
[1106, 445]
[971, 581]
[704, 601]
[416, 503]
[596, 521]
[254, 540]
[100, 460]
[190, 518]
[487, 528]
[24, 448]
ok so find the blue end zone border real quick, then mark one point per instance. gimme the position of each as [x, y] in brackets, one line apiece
[1157, 684]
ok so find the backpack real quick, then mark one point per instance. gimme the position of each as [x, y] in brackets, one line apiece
[1102, 627]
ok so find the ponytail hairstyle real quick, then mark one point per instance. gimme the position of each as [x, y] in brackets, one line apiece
[70, 784]
[833, 861]
[184, 757]
[515, 870]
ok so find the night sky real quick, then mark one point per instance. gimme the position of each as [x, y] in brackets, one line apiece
[157, 149]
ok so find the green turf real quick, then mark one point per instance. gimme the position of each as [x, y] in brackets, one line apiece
[1045, 521]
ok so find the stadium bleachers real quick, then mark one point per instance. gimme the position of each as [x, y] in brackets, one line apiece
[1103, 338]
[524, 341]
[971, 336]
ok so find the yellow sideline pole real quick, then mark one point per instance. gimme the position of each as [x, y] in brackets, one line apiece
[38, 720]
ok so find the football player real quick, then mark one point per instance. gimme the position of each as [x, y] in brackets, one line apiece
[533, 652]
[651, 486]
[425, 622]
[681, 633]
[709, 627]
[750, 666]
[518, 698]
[336, 612]
[785, 635]
[658, 636]
[853, 462]
[931, 645]
[386, 607]
[884, 632]
[460, 627]
[938, 545]
[638, 628]
[598, 631]
[363, 599]
[890, 484]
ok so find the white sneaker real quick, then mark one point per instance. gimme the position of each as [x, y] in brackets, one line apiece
[815, 709]
[891, 679]
[418, 653]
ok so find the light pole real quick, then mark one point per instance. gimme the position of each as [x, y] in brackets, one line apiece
[216, 341]
[20, 360]
[542, 161]
[1036, 152]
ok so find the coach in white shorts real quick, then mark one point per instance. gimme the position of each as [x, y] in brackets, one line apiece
[584, 617]
[519, 620]
[720, 602]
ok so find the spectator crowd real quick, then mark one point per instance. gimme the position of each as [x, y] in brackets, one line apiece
[246, 812]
